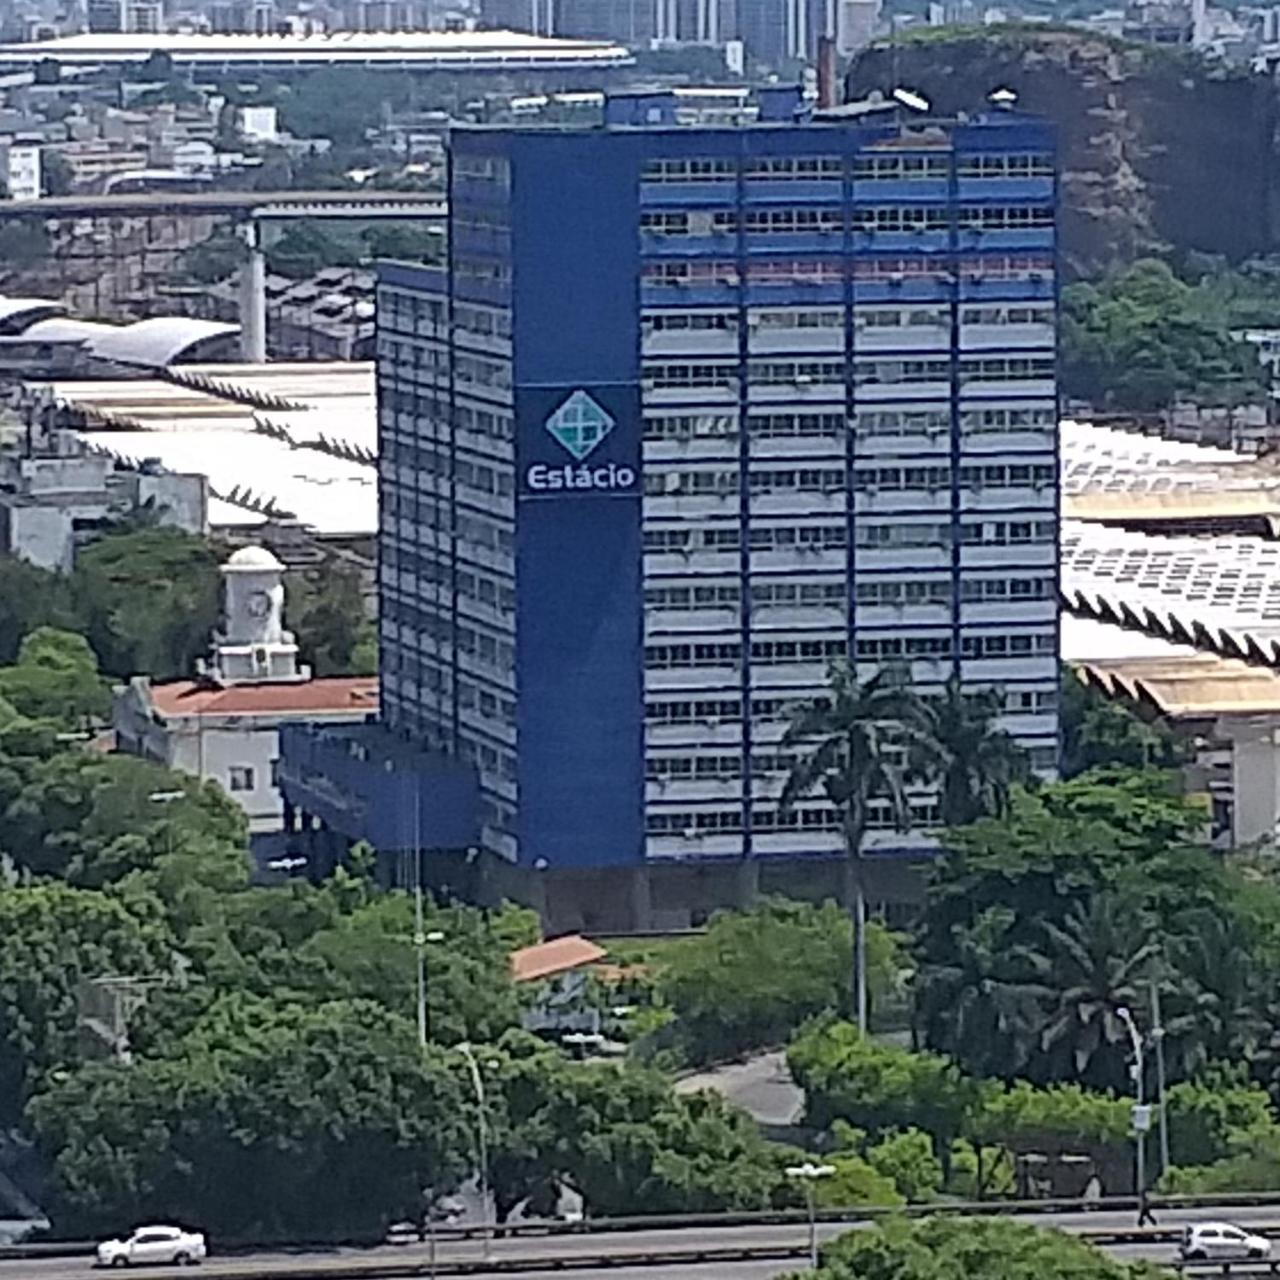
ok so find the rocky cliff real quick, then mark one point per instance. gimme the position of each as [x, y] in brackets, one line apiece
[1159, 149]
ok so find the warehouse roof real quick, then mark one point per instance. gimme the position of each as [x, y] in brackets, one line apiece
[275, 440]
[1220, 594]
[153, 343]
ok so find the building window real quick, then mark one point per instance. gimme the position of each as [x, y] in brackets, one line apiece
[240, 778]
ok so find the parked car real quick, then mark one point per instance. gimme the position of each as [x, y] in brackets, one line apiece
[1220, 1241]
[154, 1245]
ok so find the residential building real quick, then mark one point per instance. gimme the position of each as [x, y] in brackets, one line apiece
[225, 725]
[692, 414]
[55, 492]
[20, 173]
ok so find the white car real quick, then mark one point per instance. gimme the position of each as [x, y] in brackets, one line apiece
[154, 1245]
[1221, 1242]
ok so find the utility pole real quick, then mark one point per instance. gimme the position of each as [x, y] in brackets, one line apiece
[1141, 1115]
[1157, 1036]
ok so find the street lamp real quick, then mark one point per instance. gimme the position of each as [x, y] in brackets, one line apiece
[482, 1143]
[809, 1173]
[420, 942]
[1141, 1113]
[167, 797]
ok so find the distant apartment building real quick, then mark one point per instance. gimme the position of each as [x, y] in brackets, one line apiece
[775, 33]
[20, 170]
[55, 493]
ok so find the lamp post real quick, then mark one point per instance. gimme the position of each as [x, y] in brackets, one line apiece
[1141, 1113]
[482, 1143]
[163, 798]
[809, 1173]
[1157, 1037]
[421, 941]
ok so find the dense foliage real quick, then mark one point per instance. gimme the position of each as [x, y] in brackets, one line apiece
[948, 1248]
[727, 1002]
[1142, 339]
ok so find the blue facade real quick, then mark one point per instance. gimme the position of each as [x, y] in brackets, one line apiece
[692, 413]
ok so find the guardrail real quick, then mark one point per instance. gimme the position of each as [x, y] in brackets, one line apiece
[750, 1218]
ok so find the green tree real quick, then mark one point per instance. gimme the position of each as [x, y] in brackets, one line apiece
[56, 938]
[975, 763]
[1099, 731]
[335, 634]
[1096, 962]
[56, 678]
[907, 1159]
[881, 1089]
[148, 600]
[33, 597]
[89, 818]
[1142, 338]
[1217, 1116]
[755, 976]
[848, 745]
[940, 1248]
[272, 1121]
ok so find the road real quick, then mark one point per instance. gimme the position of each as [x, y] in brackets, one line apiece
[761, 1086]
[621, 1244]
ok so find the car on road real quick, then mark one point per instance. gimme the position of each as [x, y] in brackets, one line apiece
[1221, 1242]
[154, 1246]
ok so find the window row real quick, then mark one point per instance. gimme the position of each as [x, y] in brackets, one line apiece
[910, 591]
[986, 476]
[939, 267]
[483, 533]
[474, 697]
[893, 167]
[722, 765]
[991, 533]
[763, 595]
[703, 822]
[816, 537]
[939, 647]
[918, 317]
[481, 271]
[489, 324]
[479, 372]
[918, 422]
[661, 657]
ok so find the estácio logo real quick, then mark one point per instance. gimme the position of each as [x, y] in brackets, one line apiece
[579, 425]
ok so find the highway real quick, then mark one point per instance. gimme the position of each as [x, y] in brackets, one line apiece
[261, 204]
[673, 1250]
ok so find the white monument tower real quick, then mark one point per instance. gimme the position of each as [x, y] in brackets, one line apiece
[253, 646]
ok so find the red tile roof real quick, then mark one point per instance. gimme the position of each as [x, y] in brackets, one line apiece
[331, 694]
[560, 955]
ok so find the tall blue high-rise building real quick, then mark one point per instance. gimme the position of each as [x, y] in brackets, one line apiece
[688, 414]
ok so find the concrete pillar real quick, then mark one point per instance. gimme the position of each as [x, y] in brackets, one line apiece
[641, 900]
[747, 887]
[253, 298]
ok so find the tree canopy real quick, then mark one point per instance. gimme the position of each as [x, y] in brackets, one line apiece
[944, 1248]
[1141, 339]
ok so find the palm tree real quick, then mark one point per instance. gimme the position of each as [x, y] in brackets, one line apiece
[976, 763]
[850, 741]
[984, 1004]
[1097, 961]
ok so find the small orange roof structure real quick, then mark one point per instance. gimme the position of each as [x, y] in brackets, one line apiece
[560, 955]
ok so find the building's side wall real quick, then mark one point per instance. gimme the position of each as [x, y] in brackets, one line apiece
[578, 591]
